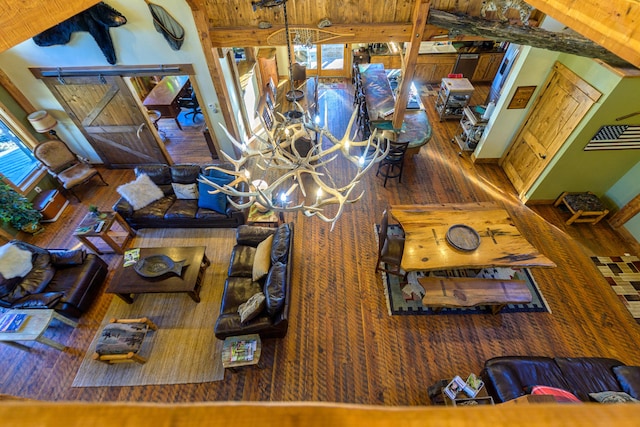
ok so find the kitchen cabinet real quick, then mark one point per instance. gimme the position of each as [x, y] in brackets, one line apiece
[268, 66]
[453, 96]
[432, 68]
[487, 67]
[390, 62]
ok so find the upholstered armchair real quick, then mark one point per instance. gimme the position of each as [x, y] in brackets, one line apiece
[64, 165]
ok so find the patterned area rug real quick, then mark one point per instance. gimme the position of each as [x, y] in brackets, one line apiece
[407, 300]
[623, 274]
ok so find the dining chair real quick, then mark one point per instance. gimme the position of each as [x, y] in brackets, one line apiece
[392, 165]
[390, 249]
[64, 165]
[298, 74]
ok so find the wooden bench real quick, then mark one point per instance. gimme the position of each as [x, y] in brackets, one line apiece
[463, 292]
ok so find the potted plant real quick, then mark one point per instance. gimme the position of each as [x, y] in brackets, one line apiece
[17, 211]
[96, 212]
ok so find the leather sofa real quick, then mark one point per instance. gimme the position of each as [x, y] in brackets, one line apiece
[273, 321]
[508, 377]
[66, 280]
[171, 212]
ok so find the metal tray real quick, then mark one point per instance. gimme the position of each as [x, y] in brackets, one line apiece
[463, 237]
[157, 265]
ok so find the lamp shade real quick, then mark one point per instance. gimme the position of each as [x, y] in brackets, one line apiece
[42, 121]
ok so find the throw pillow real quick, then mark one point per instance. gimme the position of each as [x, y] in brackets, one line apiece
[250, 309]
[262, 259]
[216, 202]
[612, 397]
[560, 395]
[275, 288]
[141, 192]
[14, 261]
[185, 191]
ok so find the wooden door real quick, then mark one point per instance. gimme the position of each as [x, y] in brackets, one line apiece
[111, 118]
[561, 105]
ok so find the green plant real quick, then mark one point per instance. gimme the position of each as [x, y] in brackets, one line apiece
[15, 209]
[94, 209]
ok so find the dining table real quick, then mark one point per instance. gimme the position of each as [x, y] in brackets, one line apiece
[164, 97]
[463, 235]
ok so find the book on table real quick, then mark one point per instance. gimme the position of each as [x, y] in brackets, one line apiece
[243, 350]
[131, 257]
[12, 322]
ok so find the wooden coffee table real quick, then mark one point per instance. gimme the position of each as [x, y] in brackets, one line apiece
[116, 239]
[126, 282]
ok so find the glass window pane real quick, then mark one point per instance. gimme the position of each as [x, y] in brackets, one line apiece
[16, 160]
[306, 56]
[332, 57]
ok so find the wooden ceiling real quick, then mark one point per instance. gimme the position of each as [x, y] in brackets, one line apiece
[235, 23]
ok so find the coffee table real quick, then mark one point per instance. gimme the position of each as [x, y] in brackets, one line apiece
[34, 327]
[126, 282]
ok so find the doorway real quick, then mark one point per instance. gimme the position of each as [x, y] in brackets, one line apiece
[113, 118]
[326, 60]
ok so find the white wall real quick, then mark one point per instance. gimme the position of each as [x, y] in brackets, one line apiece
[531, 68]
[136, 43]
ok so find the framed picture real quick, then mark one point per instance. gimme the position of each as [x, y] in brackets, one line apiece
[454, 387]
[521, 97]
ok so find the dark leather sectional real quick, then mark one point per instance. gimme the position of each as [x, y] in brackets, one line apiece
[239, 286]
[508, 377]
[171, 212]
[65, 280]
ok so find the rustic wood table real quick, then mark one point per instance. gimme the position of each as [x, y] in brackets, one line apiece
[500, 243]
[102, 227]
[33, 329]
[127, 282]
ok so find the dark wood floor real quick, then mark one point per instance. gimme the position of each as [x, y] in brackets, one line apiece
[342, 346]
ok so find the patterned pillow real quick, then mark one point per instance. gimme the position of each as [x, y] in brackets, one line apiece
[612, 397]
[250, 309]
[185, 191]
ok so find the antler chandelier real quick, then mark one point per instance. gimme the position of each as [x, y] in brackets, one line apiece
[279, 159]
[285, 169]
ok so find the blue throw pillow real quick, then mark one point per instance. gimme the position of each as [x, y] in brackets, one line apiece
[216, 202]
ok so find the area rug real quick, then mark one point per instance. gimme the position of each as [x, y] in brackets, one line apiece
[184, 349]
[623, 274]
[407, 299]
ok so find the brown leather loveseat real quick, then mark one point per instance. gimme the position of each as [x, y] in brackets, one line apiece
[272, 320]
[67, 280]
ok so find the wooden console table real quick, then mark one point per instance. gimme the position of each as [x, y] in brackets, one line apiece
[164, 97]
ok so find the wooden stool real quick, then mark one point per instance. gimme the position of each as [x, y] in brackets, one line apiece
[584, 207]
[121, 340]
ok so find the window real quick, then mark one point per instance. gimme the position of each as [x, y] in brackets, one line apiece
[17, 162]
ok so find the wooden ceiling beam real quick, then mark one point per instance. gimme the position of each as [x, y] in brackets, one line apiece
[614, 24]
[22, 19]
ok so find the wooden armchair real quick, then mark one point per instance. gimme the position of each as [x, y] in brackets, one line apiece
[65, 165]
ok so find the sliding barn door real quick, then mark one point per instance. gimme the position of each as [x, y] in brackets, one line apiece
[560, 107]
[111, 119]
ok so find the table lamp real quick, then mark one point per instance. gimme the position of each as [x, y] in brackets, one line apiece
[43, 122]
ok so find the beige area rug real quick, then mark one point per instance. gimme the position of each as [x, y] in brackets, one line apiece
[184, 348]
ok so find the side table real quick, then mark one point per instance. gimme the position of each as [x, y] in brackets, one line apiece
[101, 227]
[34, 327]
[232, 359]
[264, 219]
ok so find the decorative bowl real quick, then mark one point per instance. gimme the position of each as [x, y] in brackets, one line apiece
[157, 265]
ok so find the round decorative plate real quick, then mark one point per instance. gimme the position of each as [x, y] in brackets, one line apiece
[157, 265]
[463, 237]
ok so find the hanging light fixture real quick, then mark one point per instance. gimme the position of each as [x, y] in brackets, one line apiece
[290, 159]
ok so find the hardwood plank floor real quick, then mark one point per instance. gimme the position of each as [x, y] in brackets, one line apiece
[342, 346]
